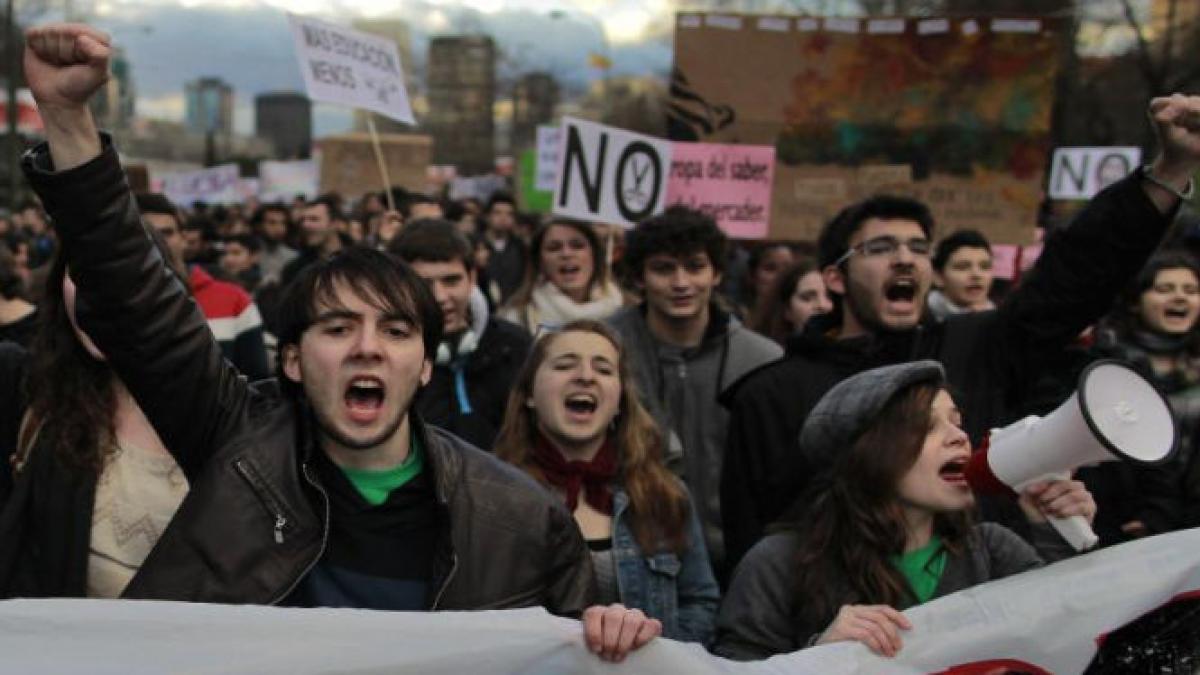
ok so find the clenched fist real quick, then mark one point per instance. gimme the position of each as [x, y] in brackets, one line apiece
[66, 63]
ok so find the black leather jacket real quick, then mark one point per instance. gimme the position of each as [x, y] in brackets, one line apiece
[256, 518]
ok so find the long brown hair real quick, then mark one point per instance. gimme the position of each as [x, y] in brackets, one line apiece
[72, 397]
[658, 502]
[855, 521]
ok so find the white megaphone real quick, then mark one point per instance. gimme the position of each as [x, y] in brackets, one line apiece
[1115, 414]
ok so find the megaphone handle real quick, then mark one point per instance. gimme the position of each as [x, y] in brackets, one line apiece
[1076, 531]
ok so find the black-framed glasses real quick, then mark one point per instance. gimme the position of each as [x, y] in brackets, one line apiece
[888, 245]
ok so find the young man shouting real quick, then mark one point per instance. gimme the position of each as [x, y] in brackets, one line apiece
[332, 494]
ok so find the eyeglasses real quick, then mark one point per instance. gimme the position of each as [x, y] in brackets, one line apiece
[888, 245]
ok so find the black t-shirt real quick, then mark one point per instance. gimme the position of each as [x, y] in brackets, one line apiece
[377, 557]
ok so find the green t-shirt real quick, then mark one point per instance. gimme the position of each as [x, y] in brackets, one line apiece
[376, 485]
[923, 568]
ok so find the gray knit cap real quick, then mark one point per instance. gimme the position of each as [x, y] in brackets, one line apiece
[847, 409]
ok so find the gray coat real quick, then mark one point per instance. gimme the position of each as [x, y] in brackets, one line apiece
[680, 388]
[760, 617]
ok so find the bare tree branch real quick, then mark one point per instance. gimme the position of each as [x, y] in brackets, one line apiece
[1153, 76]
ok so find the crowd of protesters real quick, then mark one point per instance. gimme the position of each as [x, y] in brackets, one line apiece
[454, 405]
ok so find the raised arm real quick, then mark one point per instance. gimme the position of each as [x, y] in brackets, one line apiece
[1085, 265]
[130, 303]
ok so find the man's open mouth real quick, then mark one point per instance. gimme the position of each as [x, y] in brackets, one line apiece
[900, 290]
[364, 396]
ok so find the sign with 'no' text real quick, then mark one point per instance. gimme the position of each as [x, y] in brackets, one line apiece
[1079, 173]
[352, 68]
[610, 175]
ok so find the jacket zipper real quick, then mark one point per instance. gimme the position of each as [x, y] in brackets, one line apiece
[324, 538]
[265, 494]
[446, 582]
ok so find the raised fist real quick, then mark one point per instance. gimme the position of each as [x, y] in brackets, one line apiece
[1176, 120]
[65, 63]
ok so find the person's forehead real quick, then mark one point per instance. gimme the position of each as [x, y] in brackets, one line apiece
[901, 228]
[582, 344]
[560, 232]
[437, 269]
[970, 253]
[161, 221]
[1175, 274]
[680, 258]
[341, 297]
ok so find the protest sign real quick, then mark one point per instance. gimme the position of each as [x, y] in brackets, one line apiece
[1047, 620]
[532, 198]
[349, 67]
[480, 188]
[731, 183]
[215, 185]
[280, 181]
[1079, 173]
[610, 175]
[548, 141]
[348, 165]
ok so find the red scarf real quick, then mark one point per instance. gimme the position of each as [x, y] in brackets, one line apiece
[594, 477]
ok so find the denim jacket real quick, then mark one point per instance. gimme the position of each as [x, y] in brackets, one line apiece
[677, 589]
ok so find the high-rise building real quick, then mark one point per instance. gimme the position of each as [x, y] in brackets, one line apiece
[113, 104]
[208, 106]
[535, 98]
[285, 119]
[397, 31]
[461, 89]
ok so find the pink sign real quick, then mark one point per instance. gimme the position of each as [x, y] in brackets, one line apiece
[1004, 261]
[731, 183]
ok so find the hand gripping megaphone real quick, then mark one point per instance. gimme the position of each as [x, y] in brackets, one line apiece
[1115, 414]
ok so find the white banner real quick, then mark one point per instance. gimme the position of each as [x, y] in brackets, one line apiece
[610, 175]
[282, 181]
[1079, 173]
[548, 141]
[342, 65]
[1049, 619]
[215, 185]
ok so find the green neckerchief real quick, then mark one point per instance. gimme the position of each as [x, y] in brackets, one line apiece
[923, 568]
[376, 485]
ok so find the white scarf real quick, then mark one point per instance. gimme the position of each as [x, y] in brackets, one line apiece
[552, 308]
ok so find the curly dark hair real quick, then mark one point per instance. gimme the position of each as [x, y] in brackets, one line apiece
[679, 231]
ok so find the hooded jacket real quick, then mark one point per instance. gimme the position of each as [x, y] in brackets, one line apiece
[992, 359]
[680, 388]
[256, 519]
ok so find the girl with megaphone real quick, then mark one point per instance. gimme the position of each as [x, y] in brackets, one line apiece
[887, 524]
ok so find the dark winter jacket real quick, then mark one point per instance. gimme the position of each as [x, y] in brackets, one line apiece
[467, 395]
[760, 616]
[256, 519]
[991, 358]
